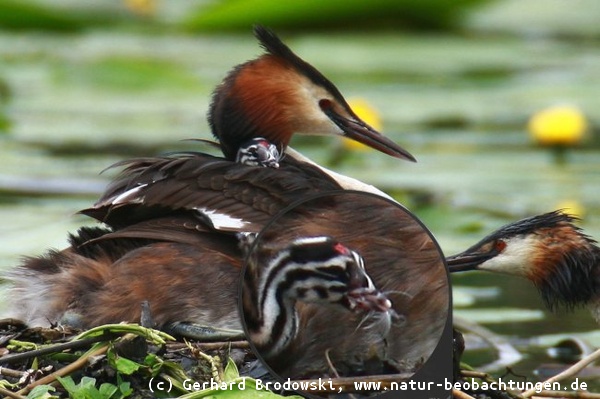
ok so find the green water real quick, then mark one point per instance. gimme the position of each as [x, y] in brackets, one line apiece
[75, 103]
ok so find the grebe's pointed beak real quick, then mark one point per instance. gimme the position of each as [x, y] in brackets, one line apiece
[355, 129]
[466, 261]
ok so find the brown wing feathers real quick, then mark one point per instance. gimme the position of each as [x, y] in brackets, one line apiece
[166, 186]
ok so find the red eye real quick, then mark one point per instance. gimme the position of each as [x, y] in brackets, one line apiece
[499, 246]
[325, 104]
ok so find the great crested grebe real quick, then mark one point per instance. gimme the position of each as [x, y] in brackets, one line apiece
[550, 251]
[262, 103]
[173, 222]
[316, 270]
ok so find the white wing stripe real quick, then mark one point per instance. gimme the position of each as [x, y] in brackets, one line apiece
[221, 220]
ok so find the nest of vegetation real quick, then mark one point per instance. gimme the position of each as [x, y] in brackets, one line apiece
[117, 361]
[131, 361]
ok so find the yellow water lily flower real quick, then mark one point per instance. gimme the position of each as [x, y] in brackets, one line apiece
[562, 125]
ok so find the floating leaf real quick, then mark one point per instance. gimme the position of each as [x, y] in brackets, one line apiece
[41, 392]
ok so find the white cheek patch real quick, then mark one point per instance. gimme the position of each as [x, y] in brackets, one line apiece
[314, 120]
[221, 221]
[515, 259]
